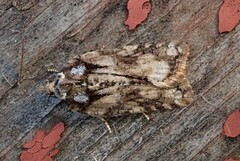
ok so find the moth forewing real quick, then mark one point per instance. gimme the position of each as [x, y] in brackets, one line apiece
[134, 79]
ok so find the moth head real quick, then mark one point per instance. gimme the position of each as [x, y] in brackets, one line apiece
[60, 77]
[57, 86]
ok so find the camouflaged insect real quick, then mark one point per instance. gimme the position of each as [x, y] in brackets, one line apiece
[134, 79]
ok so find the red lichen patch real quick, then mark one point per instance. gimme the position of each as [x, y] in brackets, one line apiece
[47, 158]
[232, 125]
[35, 148]
[26, 156]
[229, 15]
[53, 153]
[137, 12]
[42, 153]
[54, 136]
[50, 155]
[38, 137]
[231, 160]
[30, 144]
[41, 147]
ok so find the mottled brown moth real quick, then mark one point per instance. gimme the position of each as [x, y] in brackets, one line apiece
[135, 79]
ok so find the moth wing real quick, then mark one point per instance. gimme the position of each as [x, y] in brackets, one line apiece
[163, 76]
[157, 64]
[124, 100]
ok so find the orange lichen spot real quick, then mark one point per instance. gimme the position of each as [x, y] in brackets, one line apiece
[137, 12]
[26, 156]
[231, 160]
[231, 125]
[30, 144]
[54, 136]
[229, 15]
[38, 137]
[41, 147]
[42, 153]
[35, 148]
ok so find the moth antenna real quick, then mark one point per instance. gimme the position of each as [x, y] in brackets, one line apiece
[106, 124]
[146, 116]
[53, 70]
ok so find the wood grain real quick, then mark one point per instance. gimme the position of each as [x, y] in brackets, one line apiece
[55, 31]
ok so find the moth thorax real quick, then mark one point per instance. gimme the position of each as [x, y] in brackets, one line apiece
[78, 70]
[81, 98]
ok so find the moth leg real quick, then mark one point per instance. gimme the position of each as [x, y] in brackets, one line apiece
[106, 124]
[146, 116]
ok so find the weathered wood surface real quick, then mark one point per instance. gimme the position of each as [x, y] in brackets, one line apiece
[56, 30]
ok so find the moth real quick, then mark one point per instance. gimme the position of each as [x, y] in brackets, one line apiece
[135, 79]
